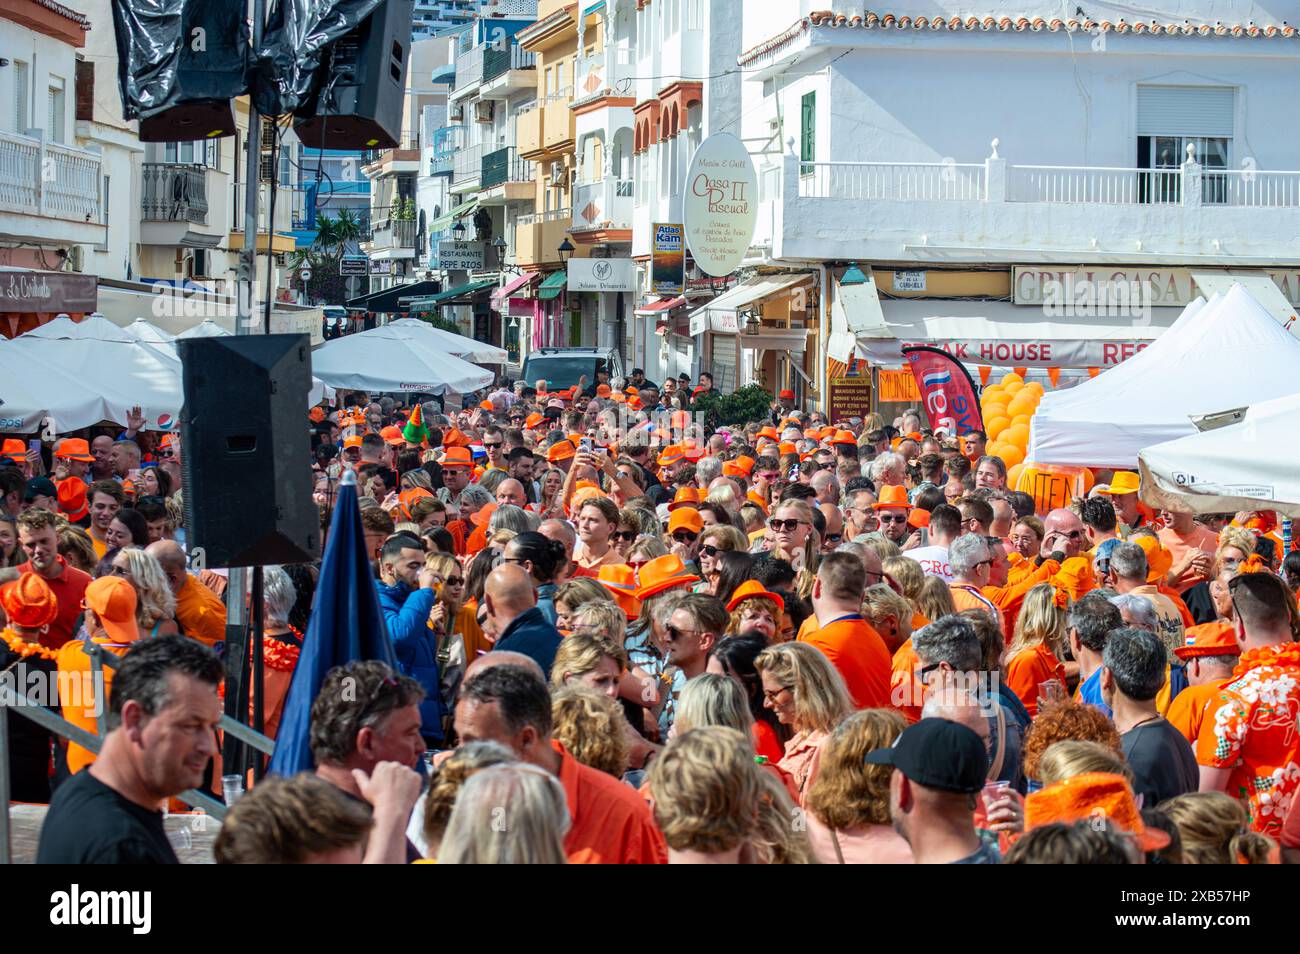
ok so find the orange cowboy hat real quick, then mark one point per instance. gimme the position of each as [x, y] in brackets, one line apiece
[685, 497]
[1159, 560]
[1124, 482]
[560, 450]
[1074, 578]
[672, 454]
[392, 435]
[455, 438]
[1086, 796]
[685, 518]
[754, 590]
[662, 574]
[456, 457]
[29, 602]
[1210, 639]
[72, 498]
[844, 437]
[620, 580]
[76, 448]
[532, 420]
[891, 496]
[769, 432]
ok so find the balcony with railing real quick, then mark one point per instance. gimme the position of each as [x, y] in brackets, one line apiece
[507, 175]
[469, 70]
[538, 237]
[610, 72]
[50, 192]
[446, 141]
[999, 211]
[173, 192]
[604, 206]
[467, 167]
[507, 69]
[528, 130]
[558, 124]
[392, 235]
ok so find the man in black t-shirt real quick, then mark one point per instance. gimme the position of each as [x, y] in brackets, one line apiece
[163, 714]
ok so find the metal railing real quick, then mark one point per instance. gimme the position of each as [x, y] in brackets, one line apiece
[1251, 188]
[504, 166]
[469, 67]
[468, 163]
[537, 218]
[924, 181]
[611, 70]
[38, 177]
[393, 233]
[1103, 185]
[511, 57]
[174, 192]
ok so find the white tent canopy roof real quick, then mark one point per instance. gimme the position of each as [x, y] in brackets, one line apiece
[468, 349]
[207, 328]
[1251, 465]
[1228, 353]
[142, 330]
[399, 360]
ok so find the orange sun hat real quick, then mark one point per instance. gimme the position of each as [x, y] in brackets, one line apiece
[620, 580]
[754, 590]
[29, 602]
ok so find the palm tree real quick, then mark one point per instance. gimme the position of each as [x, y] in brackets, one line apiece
[327, 233]
[347, 229]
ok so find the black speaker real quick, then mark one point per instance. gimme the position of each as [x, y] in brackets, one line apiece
[246, 451]
[180, 63]
[356, 102]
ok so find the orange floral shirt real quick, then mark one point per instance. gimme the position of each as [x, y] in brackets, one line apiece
[1252, 729]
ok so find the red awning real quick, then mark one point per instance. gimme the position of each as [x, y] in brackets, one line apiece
[662, 305]
[501, 294]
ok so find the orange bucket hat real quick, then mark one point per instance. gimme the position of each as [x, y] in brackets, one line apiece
[1085, 797]
[29, 602]
[662, 574]
[1159, 560]
[620, 580]
[754, 590]
[685, 497]
[892, 495]
[844, 437]
[745, 463]
[1210, 639]
[560, 450]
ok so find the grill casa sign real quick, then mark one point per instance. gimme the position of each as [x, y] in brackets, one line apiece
[1159, 287]
[720, 208]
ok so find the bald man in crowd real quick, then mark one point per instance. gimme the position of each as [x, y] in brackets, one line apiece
[200, 614]
[511, 491]
[1063, 533]
[512, 607]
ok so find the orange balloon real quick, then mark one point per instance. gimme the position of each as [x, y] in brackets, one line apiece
[1014, 388]
[1011, 456]
[1011, 377]
[1021, 419]
[1022, 403]
[1013, 474]
[1017, 435]
[993, 391]
[1036, 387]
[995, 426]
[990, 411]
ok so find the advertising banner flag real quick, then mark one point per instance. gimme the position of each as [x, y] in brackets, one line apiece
[947, 390]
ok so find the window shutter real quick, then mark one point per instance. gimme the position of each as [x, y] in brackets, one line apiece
[1185, 110]
[808, 131]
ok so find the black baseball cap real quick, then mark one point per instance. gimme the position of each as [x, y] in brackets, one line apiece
[938, 754]
[40, 487]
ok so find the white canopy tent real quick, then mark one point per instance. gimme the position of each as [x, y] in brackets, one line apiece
[142, 330]
[401, 359]
[207, 328]
[467, 349]
[1253, 464]
[1231, 352]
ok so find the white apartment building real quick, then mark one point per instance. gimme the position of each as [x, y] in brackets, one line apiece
[973, 159]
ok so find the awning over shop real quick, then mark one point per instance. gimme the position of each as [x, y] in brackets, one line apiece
[662, 306]
[449, 296]
[505, 291]
[721, 314]
[446, 221]
[387, 299]
[554, 284]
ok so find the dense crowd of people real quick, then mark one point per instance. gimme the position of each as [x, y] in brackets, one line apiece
[627, 634]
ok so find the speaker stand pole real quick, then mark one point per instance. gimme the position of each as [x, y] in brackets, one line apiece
[233, 752]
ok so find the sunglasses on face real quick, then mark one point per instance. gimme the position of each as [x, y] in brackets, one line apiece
[892, 518]
[491, 446]
[675, 634]
[784, 526]
[623, 536]
[710, 550]
[685, 536]
[454, 581]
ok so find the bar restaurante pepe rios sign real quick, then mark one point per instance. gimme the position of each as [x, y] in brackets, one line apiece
[720, 208]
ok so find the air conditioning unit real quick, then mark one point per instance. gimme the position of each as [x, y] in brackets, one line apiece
[458, 113]
[268, 132]
[484, 110]
[265, 168]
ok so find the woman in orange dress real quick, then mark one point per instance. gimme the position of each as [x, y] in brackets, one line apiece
[1032, 662]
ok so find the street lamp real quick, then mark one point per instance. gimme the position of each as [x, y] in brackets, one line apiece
[565, 249]
[458, 230]
[853, 276]
[499, 243]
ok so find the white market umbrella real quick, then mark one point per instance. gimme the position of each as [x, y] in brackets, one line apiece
[478, 352]
[142, 330]
[94, 327]
[1250, 465]
[399, 361]
[207, 328]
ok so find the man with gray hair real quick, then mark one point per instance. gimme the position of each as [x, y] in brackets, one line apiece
[1088, 626]
[1128, 562]
[888, 469]
[949, 656]
[1133, 672]
[971, 565]
[707, 470]
[1137, 612]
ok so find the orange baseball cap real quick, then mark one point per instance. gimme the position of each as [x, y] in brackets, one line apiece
[72, 498]
[769, 432]
[786, 395]
[532, 420]
[353, 441]
[29, 602]
[662, 574]
[113, 600]
[485, 405]
[75, 448]
[620, 580]
[891, 496]
[560, 450]
[1210, 639]
[15, 449]
[456, 457]
[392, 434]
[1088, 796]
[685, 518]
[753, 590]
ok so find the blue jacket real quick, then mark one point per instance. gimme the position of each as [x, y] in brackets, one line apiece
[529, 633]
[546, 601]
[406, 612]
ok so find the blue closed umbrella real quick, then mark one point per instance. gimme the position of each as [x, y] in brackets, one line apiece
[346, 624]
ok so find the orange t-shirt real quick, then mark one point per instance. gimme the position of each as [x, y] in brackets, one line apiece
[967, 597]
[1030, 668]
[77, 697]
[766, 742]
[857, 651]
[1178, 545]
[610, 823]
[906, 693]
[1187, 710]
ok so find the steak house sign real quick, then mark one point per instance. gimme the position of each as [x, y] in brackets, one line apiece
[721, 204]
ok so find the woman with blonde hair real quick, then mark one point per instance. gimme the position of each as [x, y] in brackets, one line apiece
[1215, 830]
[793, 538]
[590, 658]
[848, 802]
[506, 815]
[935, 601]
[454, 622]
[155, 607]
[705, 790]
[775, 841]
[574, 593]
[1032, 661]
[590, 724]
[645, 549]
[714, 541]
[807, 694]
[1064, 760]
[453, 772]
[754, 609]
